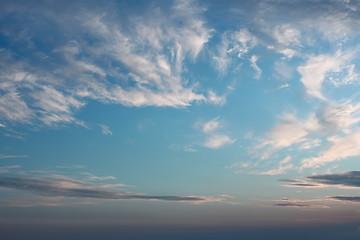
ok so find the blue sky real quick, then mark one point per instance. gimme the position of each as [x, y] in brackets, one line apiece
[180, 113]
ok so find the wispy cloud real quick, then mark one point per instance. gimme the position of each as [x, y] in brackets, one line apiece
[287, 40]
[315, 70]
[214, 139]
[284, 165]
[283, 71]
[63, 186]
[147, 58]
[253, 61]
[302, 183]
[90, 176]
[211, 125]
[288, 131]
[6, 169]
[340, 148]
[286, 85]
[13, 156]
[234, 43]
[105, 129]
[217, 141]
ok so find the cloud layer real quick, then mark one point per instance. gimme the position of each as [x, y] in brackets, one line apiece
[62, 186]
[133, 60]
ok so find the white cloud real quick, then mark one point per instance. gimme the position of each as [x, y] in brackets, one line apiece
[12, 156]
[287, 35]
[97, 178]
[244, 41]
[189, 149]
[286, 85]
[214, 139]
[348, 75]
[105, 130]
[236, 43]
[211, 125]
[340, 148]
[217, 141]
[215, 99]
[282, 168]
[335, 26]
[314, 72]
[254, 65]
[339, 117]
[288, 40]
[290, 130]
[283, 71]
[13, 108]
[311, 144]
[139, 62]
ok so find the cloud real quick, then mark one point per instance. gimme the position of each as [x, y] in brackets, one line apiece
[338, 117]
[315, 70]
[286, 85]
[215, 99]
[351, 179]
[336, 122]
[217, 141]
[283, 71]
[287, 39]
[243, 42]
[299, 205]
[303, 183]
[286, 35]
[253, 61]
[282, 168]
[92, 177]
[290, 130]
[233, 43]
[6, 169]
[211, 125]
[340, 148]
[105, 130]
[344, 180]
[311, 144]
[346, 198]
[133, 60]
[291, 205]
[62, 186]
[12, 156]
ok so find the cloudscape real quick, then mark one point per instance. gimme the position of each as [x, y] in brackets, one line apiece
[181, 119]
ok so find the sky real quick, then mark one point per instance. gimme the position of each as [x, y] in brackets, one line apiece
[185, 119]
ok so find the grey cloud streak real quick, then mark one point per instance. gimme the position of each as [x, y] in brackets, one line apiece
[78, 189]
[291, 205]
[346, 198]
[351, 179]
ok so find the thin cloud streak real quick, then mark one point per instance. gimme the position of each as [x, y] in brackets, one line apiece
[346, 198]
[62, 186]
[348, 179]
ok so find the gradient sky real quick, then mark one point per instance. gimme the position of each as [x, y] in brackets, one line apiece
[241, 114]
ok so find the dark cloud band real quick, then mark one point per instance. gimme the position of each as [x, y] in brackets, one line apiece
[51, 187]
